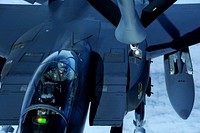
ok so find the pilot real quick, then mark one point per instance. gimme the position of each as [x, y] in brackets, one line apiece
[61, 77]
[47, 98]
[58, 74]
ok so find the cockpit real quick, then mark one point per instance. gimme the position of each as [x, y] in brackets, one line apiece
[50, 95]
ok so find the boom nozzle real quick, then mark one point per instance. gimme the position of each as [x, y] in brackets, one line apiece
[129, 30]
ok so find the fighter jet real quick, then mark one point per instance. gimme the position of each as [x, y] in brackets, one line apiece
[62, 55]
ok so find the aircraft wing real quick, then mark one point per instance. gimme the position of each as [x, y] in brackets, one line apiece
[177, 28]
[17, 19]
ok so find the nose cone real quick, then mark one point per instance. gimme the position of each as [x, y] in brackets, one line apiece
[180, 89]
[184, 113]
[182, 100]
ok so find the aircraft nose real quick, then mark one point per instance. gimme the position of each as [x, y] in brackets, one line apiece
[182, 99]
[180, 86]
[184, 113]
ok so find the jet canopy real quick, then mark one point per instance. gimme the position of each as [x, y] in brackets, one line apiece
[50, 95]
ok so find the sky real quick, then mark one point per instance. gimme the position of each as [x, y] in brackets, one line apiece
[160, 116]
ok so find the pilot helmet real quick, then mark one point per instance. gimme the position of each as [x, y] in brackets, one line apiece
[47, 98]
[62, 67]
